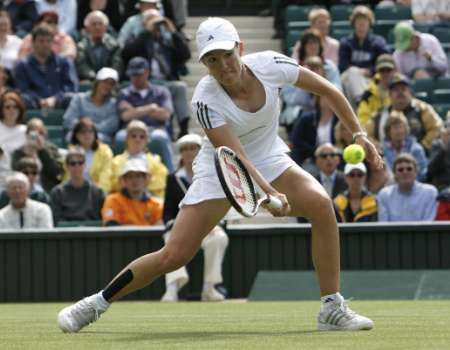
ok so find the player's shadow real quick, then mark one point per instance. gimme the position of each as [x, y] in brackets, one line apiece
[200, 336]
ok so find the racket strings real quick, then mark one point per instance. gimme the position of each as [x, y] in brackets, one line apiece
[237, 180]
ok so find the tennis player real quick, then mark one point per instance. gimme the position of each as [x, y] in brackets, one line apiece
[237, 105]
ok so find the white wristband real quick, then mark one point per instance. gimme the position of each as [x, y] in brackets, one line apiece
[357, 134]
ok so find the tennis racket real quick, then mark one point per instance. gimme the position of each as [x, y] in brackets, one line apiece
[238, 184]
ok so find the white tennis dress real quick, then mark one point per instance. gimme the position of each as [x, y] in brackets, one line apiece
[258, 132]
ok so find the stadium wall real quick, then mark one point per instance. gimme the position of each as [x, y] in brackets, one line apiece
[68, 263]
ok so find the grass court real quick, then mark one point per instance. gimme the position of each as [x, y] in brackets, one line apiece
[229, 325]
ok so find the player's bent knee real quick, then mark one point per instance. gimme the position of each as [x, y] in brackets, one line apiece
[173, 259]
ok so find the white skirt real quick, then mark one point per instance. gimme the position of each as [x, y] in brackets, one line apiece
[208, 187]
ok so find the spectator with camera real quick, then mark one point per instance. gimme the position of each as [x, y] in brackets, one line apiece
[23, 212]
[166, 51]
[43, 151]
[46, 80]
[77, 198]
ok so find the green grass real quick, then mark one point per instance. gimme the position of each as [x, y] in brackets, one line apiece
[233, 325]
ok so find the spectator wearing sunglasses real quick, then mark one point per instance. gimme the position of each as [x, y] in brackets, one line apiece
[328, 158]
[30, 167]
[407, 199]
[76, 199]
[356, 204]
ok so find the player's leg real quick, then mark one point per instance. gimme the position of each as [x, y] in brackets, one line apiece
[214, 246]
[192, 224]
[309, 199]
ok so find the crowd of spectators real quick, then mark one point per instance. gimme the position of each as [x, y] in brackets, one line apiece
[112, 71]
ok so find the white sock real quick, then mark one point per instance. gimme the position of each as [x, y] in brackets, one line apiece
[208, 286]
[172, 287]
[336, 297]
[101, 301]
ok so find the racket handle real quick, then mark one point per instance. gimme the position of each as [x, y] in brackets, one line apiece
[273, 202]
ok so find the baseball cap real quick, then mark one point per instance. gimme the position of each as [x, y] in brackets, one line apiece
[385, 61]
[358, 166]
[137, 66]
[403, 32]
[134, 165]
[216, 33]
[189, 139]
[399, 79]
[107, 73]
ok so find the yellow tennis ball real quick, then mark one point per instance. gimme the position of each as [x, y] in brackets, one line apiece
[354, 154]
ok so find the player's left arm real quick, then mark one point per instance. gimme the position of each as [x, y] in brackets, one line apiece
[318, 85]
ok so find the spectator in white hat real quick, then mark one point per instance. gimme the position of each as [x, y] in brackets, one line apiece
[213, 245]
[99, 104]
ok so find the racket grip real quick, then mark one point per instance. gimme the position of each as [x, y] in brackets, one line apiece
[273, 202]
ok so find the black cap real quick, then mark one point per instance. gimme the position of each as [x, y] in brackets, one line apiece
[137, 66]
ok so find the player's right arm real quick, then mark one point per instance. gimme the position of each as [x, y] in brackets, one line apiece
[224, 136]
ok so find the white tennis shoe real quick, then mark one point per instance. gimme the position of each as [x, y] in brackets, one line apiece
[337, 316]
[170, 296]
[211, 294]
[76, 316]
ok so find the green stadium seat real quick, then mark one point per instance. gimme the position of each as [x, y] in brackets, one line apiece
[443, 35]
[341, 12]
[384, 26]
[291, 38]
[422, 27]
[440, 96]
[442, 83]
[55, 131]
[85, 87]
[422, 95]
[117, 149]
[297, 13]
[339, 33]
[393, 12]
[442, 109]
[53, 117]
[297, 25]
[425, 84]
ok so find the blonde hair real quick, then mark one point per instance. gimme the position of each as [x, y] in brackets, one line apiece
[364, 11]
[395, 118]
[317, 12]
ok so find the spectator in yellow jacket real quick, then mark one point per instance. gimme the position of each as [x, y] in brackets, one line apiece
[377, 94]
[98, 155]
[136, 141]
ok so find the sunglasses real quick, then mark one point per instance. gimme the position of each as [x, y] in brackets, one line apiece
[10, 107]
[406, 168]
[326, 155]
[75, 162]
[138, 136]
[356, 174]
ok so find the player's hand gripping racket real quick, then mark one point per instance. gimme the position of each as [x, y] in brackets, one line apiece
[238, 184]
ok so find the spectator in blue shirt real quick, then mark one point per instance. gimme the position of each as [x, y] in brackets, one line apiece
[23, 14]
[149, 103]
[45, 79]
[358, 53]
[407, 199]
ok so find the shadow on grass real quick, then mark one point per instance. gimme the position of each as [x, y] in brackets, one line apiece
[198, 336]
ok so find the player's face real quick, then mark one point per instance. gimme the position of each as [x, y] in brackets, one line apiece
[224, 65]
